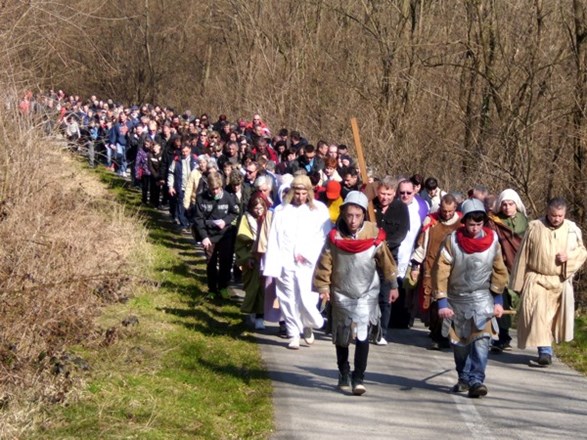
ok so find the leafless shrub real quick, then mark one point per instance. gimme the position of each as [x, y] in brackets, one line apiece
[66, 251]
[467, 91]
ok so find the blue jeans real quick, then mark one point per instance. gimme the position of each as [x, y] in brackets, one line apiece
[180, 212]
[545, 350]
[471, 361]
[121, 158]
[385, 307]
[109, 153]
[91, 152]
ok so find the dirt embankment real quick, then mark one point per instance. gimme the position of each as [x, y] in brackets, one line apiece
[66, 250]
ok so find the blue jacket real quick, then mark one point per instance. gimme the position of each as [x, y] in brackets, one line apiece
[178, 172]
[115, 137]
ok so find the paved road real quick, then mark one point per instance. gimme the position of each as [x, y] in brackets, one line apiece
[408, 394]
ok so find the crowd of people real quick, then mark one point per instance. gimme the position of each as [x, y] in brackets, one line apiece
[290, 219]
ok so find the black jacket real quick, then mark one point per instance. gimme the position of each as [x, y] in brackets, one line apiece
[395, 222]
[208, 210]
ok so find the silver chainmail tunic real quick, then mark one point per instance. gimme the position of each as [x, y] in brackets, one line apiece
[468, 290]
[355, 294]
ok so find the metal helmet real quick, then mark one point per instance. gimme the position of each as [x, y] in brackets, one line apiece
[472, 205]
[356, 198]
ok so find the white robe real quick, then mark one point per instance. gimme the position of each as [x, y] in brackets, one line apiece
[297, 230]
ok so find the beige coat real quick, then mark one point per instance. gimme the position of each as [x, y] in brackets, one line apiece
[546, 289]
[191, 189]
[250, 248]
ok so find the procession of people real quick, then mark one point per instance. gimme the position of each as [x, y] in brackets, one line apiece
[289, 220]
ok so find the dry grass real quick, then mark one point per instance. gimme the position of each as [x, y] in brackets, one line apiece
[66, 250]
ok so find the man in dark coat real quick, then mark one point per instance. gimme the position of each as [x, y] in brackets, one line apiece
[393, 217]
[216, 211]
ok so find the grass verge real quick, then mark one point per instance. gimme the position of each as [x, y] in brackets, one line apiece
[187, 369]
[574, 353]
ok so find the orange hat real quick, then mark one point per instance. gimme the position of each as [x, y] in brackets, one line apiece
[333, 189]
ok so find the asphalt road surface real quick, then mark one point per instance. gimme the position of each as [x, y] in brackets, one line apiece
[408, 394]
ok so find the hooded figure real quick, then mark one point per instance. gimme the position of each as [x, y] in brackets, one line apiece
[510, 222]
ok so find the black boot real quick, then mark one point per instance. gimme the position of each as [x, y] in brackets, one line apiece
[344, 368]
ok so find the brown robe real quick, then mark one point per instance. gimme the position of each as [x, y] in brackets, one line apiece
[510, 241]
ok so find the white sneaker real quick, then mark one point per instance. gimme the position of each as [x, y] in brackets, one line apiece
[308, 335]
[259, 324]
[294, 343]
[381, 341]
[359, 389]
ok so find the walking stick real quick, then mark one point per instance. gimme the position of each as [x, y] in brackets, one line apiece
[362, 165]
[453, 335]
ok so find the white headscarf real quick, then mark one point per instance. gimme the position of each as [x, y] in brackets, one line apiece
[285, 179]
[510, 194]
[282, 189]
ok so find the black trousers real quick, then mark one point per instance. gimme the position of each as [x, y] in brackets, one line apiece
[361, 355]
[400, 315]
[155, 192]
[219, 259]
[145, 183]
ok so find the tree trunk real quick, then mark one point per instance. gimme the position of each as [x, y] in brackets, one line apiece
[580, 41]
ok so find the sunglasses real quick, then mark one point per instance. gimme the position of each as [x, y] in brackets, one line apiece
[405, 193]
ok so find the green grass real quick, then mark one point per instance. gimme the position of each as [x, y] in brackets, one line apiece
[574, 353]
[189, 369]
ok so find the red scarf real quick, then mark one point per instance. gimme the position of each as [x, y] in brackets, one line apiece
[471, 244]
[355, 246]
[434, 218]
